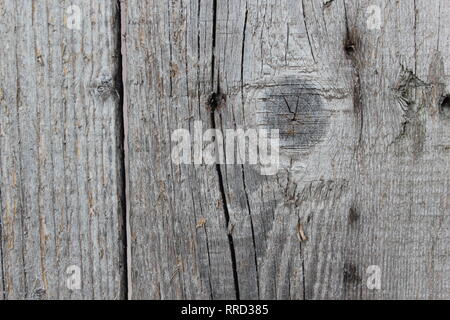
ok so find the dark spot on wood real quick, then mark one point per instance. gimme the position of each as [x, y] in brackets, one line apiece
[349, 47]
[215, 101]
[351, 42]
[445, 106]
[294, 107]
[351, 274]
[358, 106]
[353, 215]
[327, 4]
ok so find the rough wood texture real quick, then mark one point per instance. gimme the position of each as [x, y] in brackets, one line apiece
[364, 164]
[363, 112]
[60, 151]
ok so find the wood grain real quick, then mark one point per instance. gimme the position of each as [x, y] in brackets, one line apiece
[87, 178]
[60, 151]
[364, 169]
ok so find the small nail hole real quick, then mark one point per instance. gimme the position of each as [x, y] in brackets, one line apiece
[445, 106]
[351, 42]
[349, 48]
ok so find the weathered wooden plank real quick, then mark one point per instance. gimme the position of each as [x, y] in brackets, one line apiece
[60, 150]
[401, 182]
[293, 80]
[168, 76]
[364, 148]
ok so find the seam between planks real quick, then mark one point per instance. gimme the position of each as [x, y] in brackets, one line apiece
[123, 137]
[2, 270]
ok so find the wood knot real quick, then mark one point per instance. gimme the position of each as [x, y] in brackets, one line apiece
[353, 216]
[295, 108]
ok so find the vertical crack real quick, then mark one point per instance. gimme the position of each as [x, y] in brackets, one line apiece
[243, 56]
[303, 273]
[243, 48]
[307, 32]
[213, 50]
[2, 260]
[227, 221]
[123, 145]
[252, 230]
[242, 167]
[3, 293]
[218, 169]
[351, 45]
[227, 216]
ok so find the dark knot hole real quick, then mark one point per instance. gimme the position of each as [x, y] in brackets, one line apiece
[445, 105]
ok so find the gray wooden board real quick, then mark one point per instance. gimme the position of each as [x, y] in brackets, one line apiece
[359, 91]
[60, 159]
[364, 169]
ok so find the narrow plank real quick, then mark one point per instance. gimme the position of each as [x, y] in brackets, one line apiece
[60, 159]
[178, 236]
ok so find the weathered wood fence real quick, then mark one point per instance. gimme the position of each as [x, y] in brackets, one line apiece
[94, 207]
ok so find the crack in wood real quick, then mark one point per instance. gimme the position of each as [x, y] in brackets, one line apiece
[251, 228]
[214, 101]
[2, 269]
[122, 142]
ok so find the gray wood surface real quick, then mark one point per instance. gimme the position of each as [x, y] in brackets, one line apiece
[86, 172]
[60, 139]
[364, 168]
